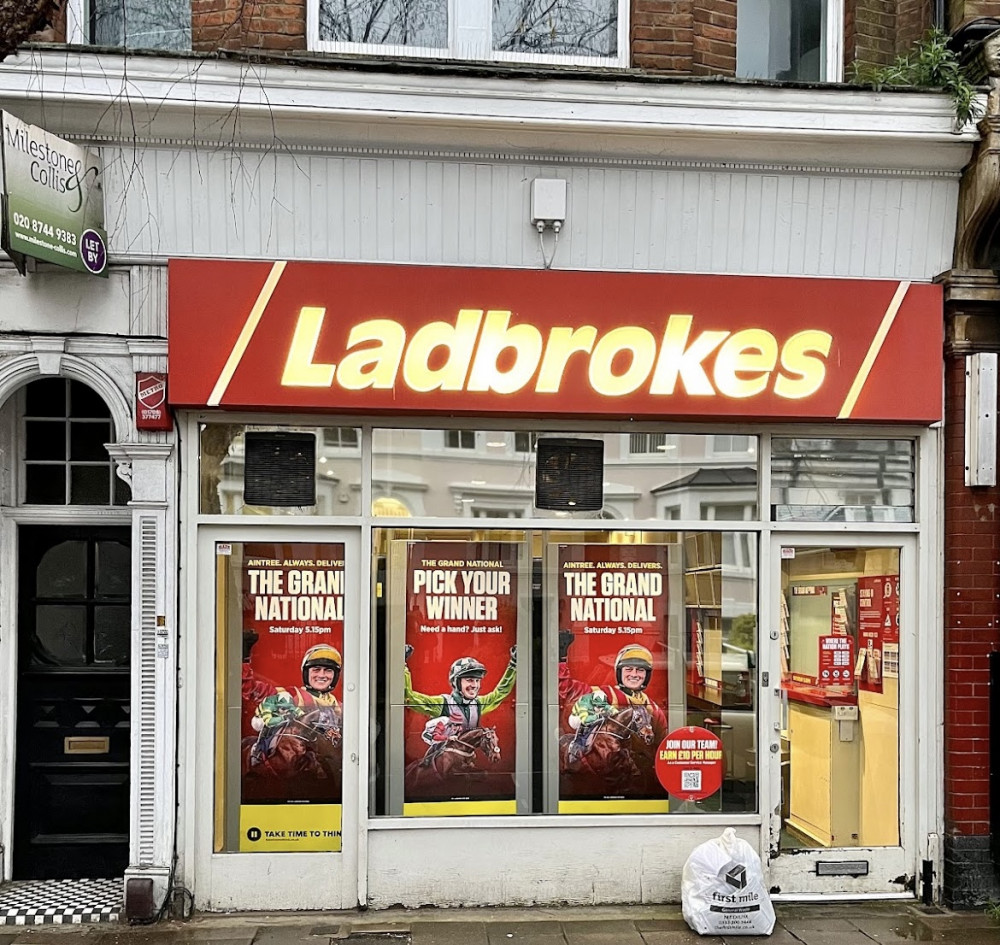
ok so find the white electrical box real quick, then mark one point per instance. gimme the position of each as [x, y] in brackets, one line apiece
[845, 713]
[548, 200]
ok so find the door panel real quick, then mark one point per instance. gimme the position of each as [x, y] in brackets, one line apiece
[71, 804]
[836, 746]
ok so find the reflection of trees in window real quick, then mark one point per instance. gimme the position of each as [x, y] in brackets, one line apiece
[396, 22]
[165, 24]
[565, 27]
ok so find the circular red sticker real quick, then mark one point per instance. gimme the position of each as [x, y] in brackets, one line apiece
[689, 763]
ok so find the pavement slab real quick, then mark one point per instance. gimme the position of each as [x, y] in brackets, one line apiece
[679, 937]
[891, 928]
[608, 932]
[828, 937]
[450, 933]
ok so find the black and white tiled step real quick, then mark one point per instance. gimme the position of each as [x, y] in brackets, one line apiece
[60, 901]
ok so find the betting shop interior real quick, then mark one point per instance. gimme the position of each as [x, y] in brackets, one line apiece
[417, 622]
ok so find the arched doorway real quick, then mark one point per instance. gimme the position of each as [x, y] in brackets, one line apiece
[73, 683]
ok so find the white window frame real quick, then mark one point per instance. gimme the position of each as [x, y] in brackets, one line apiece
[831, 43]
[470, 36]
[77, 23]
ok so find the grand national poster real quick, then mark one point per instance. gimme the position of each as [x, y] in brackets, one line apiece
[291, 681]
[460, 677]
[612, 678]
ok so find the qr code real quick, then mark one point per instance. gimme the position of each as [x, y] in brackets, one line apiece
[690, 780]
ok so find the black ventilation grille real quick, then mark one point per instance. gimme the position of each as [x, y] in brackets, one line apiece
[569, 475]
[279, 469]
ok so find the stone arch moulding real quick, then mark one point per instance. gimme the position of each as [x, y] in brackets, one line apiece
[20, 370]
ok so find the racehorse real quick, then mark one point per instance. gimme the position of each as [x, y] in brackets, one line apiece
[618, 757]
[457, 755]
[301, 759]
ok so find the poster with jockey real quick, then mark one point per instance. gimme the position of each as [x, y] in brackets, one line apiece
[612, 676]
[291, 710]
[460, 676]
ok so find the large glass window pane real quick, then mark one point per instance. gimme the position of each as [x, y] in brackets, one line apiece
[563, 27]
[279, 710]
[839, 638]
[139, 24]
[780, 39]
[839, 479]
[491, 474]
[393, 22]
[580, 652]
[338, 472]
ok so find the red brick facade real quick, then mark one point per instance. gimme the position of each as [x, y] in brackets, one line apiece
[663, 35]
[714, 37]
[972, 589]
[248, 24]
[698, 37]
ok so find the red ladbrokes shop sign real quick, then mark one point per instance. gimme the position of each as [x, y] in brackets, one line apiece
[362, 338]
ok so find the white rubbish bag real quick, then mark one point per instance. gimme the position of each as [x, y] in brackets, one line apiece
[722, 889]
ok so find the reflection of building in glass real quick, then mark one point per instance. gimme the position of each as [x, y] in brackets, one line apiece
[491, 474]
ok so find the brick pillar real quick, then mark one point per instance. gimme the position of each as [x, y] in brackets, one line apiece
[971, 606]
[248, 24]
[714, 37]
[662, 39]
[913, 20]
[869, 32]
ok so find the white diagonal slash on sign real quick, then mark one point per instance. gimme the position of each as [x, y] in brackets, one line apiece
[873, 350]
[249, 327]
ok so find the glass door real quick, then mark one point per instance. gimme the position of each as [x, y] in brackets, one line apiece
[841, 627]
[278, 716]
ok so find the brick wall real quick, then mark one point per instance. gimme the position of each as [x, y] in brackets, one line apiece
[870, 32]
[714, 28]
[663, 35]
[248, 24]
[698, 37]
[913, 19]
[972, 588]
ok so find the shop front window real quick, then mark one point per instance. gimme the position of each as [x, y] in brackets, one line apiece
[328, 476]
[562, 672]
[842, 479]
[491, 474]
[280, 616]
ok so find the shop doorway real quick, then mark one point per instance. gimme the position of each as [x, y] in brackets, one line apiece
[276, 746]
[841, 630]
[71, 799]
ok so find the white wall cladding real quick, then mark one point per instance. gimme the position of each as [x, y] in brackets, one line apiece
[463, 210]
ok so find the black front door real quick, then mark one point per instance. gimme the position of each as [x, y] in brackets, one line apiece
[71, 800]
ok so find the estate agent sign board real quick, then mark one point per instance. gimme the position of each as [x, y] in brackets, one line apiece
[53, 199]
